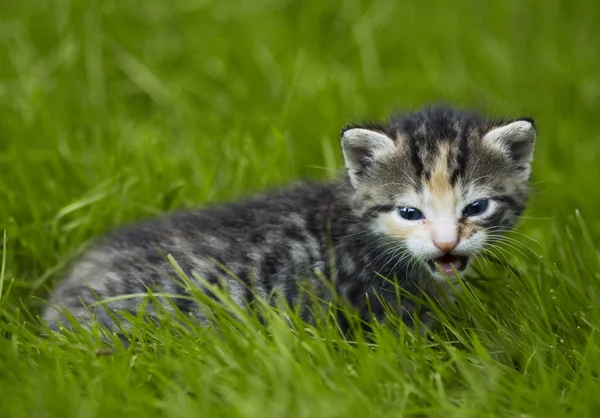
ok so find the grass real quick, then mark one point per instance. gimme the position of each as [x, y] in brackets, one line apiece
[112, 111]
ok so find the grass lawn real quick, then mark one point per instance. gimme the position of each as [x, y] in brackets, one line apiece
[117, 110]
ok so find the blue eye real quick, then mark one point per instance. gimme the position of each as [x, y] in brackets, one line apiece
[410, 214]
[476, 208]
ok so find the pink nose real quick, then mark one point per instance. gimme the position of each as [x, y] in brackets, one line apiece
[445, 246]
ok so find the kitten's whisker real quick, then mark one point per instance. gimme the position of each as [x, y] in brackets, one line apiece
[513, 247]
[502, 252]
[403, 253]
[400, 260]
[399, 249]
[387, 251]
[503, 238]
[513, 231]
[512, 241]
[396, 247]
[383, 254]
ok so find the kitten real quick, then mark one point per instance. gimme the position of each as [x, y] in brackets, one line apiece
[419, 198]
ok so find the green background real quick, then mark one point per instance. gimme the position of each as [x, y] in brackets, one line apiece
[112, 111]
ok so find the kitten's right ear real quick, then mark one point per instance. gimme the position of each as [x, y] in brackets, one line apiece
[516, 140]
[361, 148]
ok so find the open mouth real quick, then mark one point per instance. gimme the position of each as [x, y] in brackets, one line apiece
[448, 263]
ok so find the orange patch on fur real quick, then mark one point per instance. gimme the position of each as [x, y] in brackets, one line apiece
[390, 226]
[440, 189]
[467, 230]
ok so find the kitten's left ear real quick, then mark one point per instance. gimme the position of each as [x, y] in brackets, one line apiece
[516, 140]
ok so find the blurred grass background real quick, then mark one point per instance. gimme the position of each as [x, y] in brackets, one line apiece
[111, 111]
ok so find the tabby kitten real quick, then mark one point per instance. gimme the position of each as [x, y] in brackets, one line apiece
[418, 199]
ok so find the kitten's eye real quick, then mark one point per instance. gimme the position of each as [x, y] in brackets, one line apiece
[476, 208]
[410, 214]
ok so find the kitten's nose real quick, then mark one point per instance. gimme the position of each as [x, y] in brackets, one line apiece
[445, 246]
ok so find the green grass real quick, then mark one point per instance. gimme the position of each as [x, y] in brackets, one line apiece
[112, 111]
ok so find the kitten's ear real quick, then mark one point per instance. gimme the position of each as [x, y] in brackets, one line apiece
[361, 147]
[516, 140]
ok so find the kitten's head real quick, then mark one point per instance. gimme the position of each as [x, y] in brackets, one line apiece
[440, 182]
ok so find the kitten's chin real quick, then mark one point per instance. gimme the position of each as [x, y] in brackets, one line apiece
[447, 266]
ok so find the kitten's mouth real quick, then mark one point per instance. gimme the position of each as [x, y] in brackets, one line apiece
[447, 263]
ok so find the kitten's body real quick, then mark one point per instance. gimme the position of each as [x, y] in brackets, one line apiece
[269, 243]
[437, 160]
